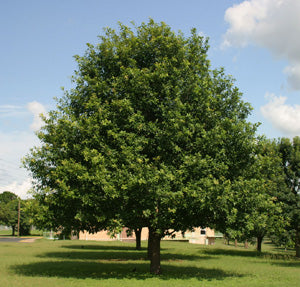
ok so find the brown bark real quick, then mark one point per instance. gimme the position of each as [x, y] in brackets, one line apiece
[226, 240]
[138, 233]
[246, 244]
[150, 239]
[19, 209]
[297, 244]
[155, 252]
[235, 242]
[259, 242]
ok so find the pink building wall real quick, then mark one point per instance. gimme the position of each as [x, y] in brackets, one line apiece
[194, 236]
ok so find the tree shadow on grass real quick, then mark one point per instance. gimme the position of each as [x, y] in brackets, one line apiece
[287, 263]
[278, 256]
[248, 253]
[279, 248]
[242, 253]
[102, 247]
[116, 270]
[118, 255]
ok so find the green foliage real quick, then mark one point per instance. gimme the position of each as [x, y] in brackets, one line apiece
[290, 196]
[6, 197]
[254, 209]
[29, 215]
[9, 204]
[9, 210]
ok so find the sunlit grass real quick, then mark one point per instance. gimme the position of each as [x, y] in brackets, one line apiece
[5, 232]
[87, 263]
[8, 232]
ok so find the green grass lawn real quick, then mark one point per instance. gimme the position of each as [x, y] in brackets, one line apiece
[5, 232]
[8, 232]
[87, 263]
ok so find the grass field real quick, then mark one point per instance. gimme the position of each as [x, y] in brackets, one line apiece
[81, 263]
[5, 232]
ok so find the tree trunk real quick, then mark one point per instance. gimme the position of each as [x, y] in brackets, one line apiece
[138, 233]
[226, 240]
[297, 244]
[13, 230]
[75, 234]
[235, 243]
[150, 240]
[259, 242]
[155, 252]
[246, 244]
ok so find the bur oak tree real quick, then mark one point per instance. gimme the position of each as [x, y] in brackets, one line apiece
[150, 136]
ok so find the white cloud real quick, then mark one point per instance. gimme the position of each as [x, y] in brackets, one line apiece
[37, 109]
[293, 74]
[14, 145]
[20, 189]
[272, 24]
[243, 19]
[284, 117]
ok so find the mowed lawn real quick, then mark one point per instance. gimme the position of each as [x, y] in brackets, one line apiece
[88, 263]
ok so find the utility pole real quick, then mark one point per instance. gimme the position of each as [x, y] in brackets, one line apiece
[19, 218]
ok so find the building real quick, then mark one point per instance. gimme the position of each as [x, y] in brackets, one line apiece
[199, 235]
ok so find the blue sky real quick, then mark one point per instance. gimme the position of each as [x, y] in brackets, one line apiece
[256, 41]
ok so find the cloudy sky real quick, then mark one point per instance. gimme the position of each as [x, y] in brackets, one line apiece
[256, 41]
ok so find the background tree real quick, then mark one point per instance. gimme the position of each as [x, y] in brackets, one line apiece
[26, 217]
[9, 210]
[150, 133]
[9, 205]
[33, 215]
[267, 215]
[254, 209]
[290, 197]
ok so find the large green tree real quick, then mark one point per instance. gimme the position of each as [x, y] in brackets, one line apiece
[290, 197]
[150, 136]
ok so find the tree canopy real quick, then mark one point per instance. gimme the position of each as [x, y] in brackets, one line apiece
[150, 136]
